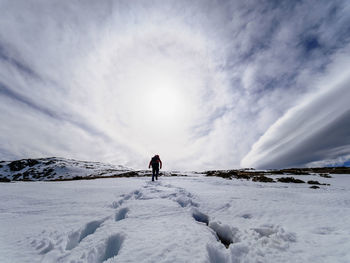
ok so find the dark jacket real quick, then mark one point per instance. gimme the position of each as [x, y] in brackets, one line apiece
[155, 162]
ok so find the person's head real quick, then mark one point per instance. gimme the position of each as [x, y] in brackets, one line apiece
[157, 156]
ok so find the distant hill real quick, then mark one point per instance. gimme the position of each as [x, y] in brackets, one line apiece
[55, 169]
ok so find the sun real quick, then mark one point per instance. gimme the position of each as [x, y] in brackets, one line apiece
[164, 100]
[155, 106]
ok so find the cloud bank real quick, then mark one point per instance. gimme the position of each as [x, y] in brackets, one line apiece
[197, 82]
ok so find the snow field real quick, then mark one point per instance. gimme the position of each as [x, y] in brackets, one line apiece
[279, 222]
[175, 219]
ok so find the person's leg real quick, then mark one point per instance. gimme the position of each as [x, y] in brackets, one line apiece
[157, 172]
[153, 173]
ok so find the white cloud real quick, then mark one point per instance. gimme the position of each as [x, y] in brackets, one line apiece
[315, 131]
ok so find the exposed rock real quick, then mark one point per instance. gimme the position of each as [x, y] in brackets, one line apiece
[314, 187]
[264, 179]
[290, 180]
[4, 180]
[275, 172]
[325, 175]
[49, 162]
[314, 182]
[17, 176]
[331, 170]
[129, 174]
[223, 174]
[243, 175]
[174, 174]
[296, 171]
[21, 164]
[17, 165]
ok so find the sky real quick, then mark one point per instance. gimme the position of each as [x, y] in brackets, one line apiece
[204, 84]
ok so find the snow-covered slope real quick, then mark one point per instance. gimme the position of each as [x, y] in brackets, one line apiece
[50, 169]
[175, 219]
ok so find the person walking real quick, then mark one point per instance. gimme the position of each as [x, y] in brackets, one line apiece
[156, 164]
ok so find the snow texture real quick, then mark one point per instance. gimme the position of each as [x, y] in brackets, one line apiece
[175, 219]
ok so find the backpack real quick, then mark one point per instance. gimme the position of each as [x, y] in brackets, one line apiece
[154, 161]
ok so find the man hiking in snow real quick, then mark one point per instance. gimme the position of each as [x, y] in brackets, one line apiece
[155, 161]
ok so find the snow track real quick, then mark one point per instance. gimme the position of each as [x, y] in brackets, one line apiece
[180, 220]
[161, 212]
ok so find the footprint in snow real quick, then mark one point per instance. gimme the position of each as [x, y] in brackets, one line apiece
[137, 194]
[112, 247]
[121, 214]
[45, 245]
[76, 237]
[200, 217]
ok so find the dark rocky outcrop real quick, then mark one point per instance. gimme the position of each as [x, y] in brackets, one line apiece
[265, 175]
[263, 179]
[325, 175]
[313, 182]
[4, 180]
[21, 164]
[296, 171]
[129, 174]
[290, 180]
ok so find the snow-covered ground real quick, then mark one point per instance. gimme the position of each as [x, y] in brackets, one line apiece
[175, 219]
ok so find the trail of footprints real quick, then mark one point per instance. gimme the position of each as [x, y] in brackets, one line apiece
[114, 242]
[111, 245]
[224, 234]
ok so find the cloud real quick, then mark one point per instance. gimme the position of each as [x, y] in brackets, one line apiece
[197, 82]
[314, 132]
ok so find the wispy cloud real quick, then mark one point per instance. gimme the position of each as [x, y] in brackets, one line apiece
[197, 82]
[315, 132]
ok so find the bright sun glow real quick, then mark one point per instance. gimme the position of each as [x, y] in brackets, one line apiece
[164, 101]
[158, 109]
[160, 113]
[156, 86]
